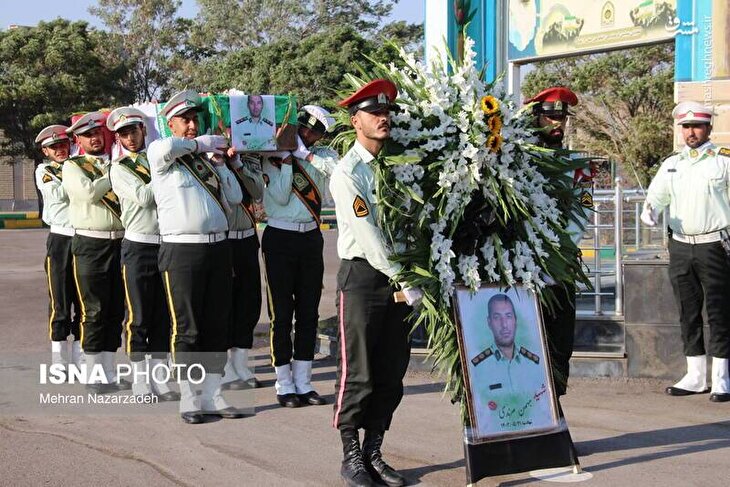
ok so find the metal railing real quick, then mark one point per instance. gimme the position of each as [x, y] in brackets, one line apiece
[616, 216]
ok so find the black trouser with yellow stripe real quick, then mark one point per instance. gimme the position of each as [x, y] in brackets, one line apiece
[61, 289]
[560, 330]
[374, 348]
[198, 279]
[98, 274]
[246, 290]
[147, 323]
[294, 272]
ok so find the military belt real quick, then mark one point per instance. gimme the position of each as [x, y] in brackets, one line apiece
[698, 239]
[293, 226]
[69, 232]
[195, 238]
[111, 235]
[142, 238]
[241, 234]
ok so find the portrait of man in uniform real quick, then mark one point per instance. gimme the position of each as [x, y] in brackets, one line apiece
[253, 122]
[503, 353]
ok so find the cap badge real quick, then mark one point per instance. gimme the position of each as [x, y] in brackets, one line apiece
[122, 118]
[91, 123]
[382, 99]
[312, 120]
[558, 105]
[54, 136]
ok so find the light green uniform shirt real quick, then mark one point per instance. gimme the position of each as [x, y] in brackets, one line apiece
[55, 199]
[139, 211]
[258, 134]
[353, 188]
[279, 199]
[694, 184]
[253, 182]
[86, 210]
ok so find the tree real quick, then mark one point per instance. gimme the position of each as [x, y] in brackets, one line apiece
[312, 69]
[47, 73]
[626, 100]
[230, 25]
[145, 34]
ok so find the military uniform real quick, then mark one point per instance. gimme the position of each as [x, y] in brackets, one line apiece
[58, 265]
[514, 391]
[246, 296]
[258, 134]
[193, 199]
[560, 320]
[147, 323]
[693, 184]
[292, 246]
[95, 215]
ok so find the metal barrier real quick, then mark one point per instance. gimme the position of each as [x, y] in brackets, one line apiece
[613, 209]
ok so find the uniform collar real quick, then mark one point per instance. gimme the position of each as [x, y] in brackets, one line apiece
[499, 357]
[708, 148]
[364, 154]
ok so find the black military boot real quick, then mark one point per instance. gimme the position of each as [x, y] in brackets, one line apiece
[353, 469]
[373, 459]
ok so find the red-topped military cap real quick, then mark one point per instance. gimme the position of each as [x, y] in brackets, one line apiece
[375, 96]
[554, 101]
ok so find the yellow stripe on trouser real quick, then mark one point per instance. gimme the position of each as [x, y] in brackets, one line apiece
[171, 305]
[53, 301]
[272, 314]
[130, 313]
[81, 301]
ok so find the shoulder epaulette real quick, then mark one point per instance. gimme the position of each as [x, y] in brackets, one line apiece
[267, 121]
[724, 152]
[243, 119]
[529, 355]
[482, 356]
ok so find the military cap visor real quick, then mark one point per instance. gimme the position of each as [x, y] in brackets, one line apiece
[53, 134]
[311, 122]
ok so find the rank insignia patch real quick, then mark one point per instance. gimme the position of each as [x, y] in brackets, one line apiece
[586, 199]
[47, 178]
[724, 152]
[360, 208]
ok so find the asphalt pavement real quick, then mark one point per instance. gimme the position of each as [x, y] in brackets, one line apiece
[626, 431]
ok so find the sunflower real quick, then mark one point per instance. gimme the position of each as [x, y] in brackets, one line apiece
[490, 105]
[495, 124]
[494, 142]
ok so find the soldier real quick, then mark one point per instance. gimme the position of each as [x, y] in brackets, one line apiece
[258, 132]
[194, 196]
[95, 215]
[693, 183]
[551, 110]
[373, 333]
[55, 144]
[148, 322]
[246, 272]
[292, 246]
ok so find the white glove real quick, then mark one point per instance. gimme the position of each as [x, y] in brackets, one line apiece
[211, 143]
[413, 295]
[649, 216]
[301, 152]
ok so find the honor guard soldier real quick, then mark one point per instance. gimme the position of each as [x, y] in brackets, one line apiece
[56, 146]
[246, 296]
[373, 333]
[551, 110]
[258, 132]
[95, 215]
[693, 183]
[147, 323]
[292, 247]
[194, 196]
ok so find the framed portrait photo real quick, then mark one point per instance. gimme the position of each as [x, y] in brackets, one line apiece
[505, 363]
[253, 122]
